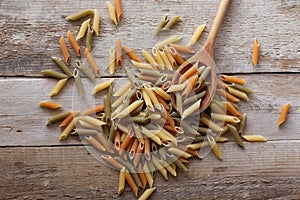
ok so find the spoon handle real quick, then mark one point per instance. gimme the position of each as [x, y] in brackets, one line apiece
[218, 21]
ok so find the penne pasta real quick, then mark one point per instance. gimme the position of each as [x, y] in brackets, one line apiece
[176, 88]
[95, 143]
[165, 59]
[231, 109]
[283, 113]
[66, 132]
[148, 175]
[112, 13]
[158, 58]
[92, 62]
[147, 149]
[214, 146]
[161, 93]
[131, 183]
[194, 98]
[141, 65]
[74, 44]
[232, 79]
[161, 24]
[50, 104]
[131, 54]
[179, 153]
[194, 107]
[196, 34]
[102, 86]
[160, 168]
[121, 180]
[255, 52]
[235, 134]
[118, 7]
[190, 86]
[78, 83]
[176, 55]
[123, 89]
[91, 120]
[227, 95]
[112, 162]
[58, 87]
[80, 14]
[151, 136]
[119, 53]
[64, 50]
[96, 22]
[190, 72]
[57, 117]
[68, 119]
[254, 138]
[62, 65]
[83, 28]
[225, 118]
[169, 40]
[182, 48]
[89, 38]
[210, 124]
[238, 93]
[111, 61]
[85, 70]
[93, 110]
[242, 124]
[170, 57]
[129, 109]
[54, 74]
[152, 97]
[242, 88]
[171, 23]
[149, 58]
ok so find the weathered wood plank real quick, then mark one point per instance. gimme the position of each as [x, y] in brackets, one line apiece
[30, 32]
[261, 171]
[22, 121]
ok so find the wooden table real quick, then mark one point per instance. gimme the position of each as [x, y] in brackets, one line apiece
[35, 165]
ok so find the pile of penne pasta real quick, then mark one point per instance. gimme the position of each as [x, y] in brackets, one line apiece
[150, 123]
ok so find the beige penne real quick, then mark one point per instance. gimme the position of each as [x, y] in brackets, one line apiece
[58, 87]
[210, 124]
[187, 112]
[102, 86]
[147, 194]
[141, 65]
[179, 153]
[80, 14]
[121, 180]
[165, 59]
[171, 23]
[176, 88]
[161, 24]
[214, 146]
[149, 58]
[225, 118]
[66, 132]
[161, 93]
[170, 57]
[254, 138]
[95, 143]
[158, 58]
[129, 109]
[169, 40]
[96, 22]
[118, 9]
[112, 13]
[125, 87]
[148, 174]
[151, 135]
[160, 168]
[152, 96]
[147, 100]
[91, 120]
[196, 35]
[83, 28]
[111, 60]
[255, 52]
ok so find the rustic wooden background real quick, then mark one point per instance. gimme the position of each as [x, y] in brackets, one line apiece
[35, 165]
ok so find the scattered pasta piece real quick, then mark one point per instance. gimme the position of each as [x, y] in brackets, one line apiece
[255, 52]
[283, 113]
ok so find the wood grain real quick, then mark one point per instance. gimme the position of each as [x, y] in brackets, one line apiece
[261, 171]
[30, 32]
[22, 121]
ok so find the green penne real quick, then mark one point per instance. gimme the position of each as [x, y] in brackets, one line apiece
[62, 65]
[57, 117]
[194, 98]
[89, 38]
[87, 71]
[78, 83]
[54, 74]
[236, 136]
[242, 124]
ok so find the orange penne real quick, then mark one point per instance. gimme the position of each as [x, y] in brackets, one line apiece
[64, 49]
[68, 119]
[142, 176]
[133, 148]
[93, 110]
[118, 7]
[127, 140]
[190, 86]
[131, 183]
[230, 108]
[147, 148]
[176, 55]
[283, 113]
[255, 52]
[74, 44]
[92, 62]
[50, 105]
[112, 161]
[232, 79]
[138, 154]
[131, 54]
[190, 72]
[182, 48]
[119, 52]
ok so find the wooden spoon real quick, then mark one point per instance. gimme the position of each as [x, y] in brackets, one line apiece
[206, 56]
